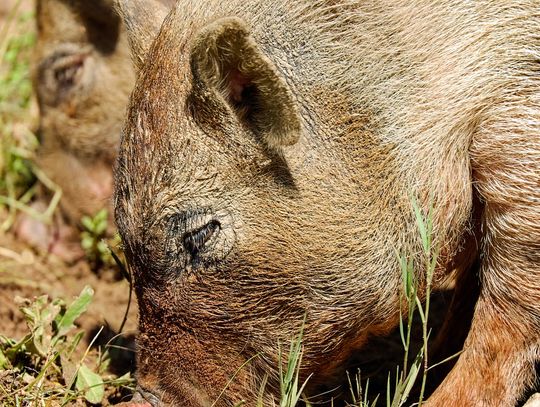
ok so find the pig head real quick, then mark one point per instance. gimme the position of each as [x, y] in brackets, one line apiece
[266, 173]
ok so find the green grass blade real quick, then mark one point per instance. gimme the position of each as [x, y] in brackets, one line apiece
[77, 307]
[91, 384]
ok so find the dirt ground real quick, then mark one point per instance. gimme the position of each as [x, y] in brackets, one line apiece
[25, 273]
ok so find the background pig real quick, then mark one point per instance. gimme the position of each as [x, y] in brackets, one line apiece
[266, 172]
[83, 75]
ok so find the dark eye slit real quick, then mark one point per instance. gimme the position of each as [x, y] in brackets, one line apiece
[195, 240]
[65, 76]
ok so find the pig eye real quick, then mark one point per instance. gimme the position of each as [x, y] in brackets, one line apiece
[67, 71]
[197, 238]
[195, 241]
[61, 73]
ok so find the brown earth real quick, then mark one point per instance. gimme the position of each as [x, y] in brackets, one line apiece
[27, 274]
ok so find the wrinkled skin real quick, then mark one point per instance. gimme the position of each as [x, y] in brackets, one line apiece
[82, 75]
[266, 173]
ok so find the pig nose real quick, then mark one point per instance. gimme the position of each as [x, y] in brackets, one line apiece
[196, 239]
[144, 398]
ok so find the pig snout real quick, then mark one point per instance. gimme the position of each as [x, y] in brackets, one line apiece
[144, 398]
[141, 398]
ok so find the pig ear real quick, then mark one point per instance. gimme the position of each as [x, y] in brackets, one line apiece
[226, 57]
[142, 19]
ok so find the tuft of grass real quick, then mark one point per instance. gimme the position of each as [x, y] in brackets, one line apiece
[291, 391]
[15, 82]
[358, 394]
[17, 141]
[48, 366]
[398, 390]
[290, 388]
[94, 239]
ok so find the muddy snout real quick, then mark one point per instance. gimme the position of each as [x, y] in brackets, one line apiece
[152, 398]
[143, 398]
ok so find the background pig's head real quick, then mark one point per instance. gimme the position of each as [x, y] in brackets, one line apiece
[252, 190]
[83, 76]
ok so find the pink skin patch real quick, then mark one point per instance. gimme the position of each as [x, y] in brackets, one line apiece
[237, 84]
[57, 239]
[99, 182]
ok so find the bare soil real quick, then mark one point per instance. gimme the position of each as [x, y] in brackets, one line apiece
[27, 274]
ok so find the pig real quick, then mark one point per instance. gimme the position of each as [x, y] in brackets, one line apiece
[268, 168]
[83, 76]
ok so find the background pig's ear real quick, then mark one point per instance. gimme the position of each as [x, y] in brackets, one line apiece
[226, 57]
[142, 19]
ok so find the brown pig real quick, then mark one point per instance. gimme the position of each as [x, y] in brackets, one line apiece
[83, 76]
[267, 170]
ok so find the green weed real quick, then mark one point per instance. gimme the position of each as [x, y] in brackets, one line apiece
[399, 388]
[290, 388]
[46, 365]
[291, 391]
[94, 239]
